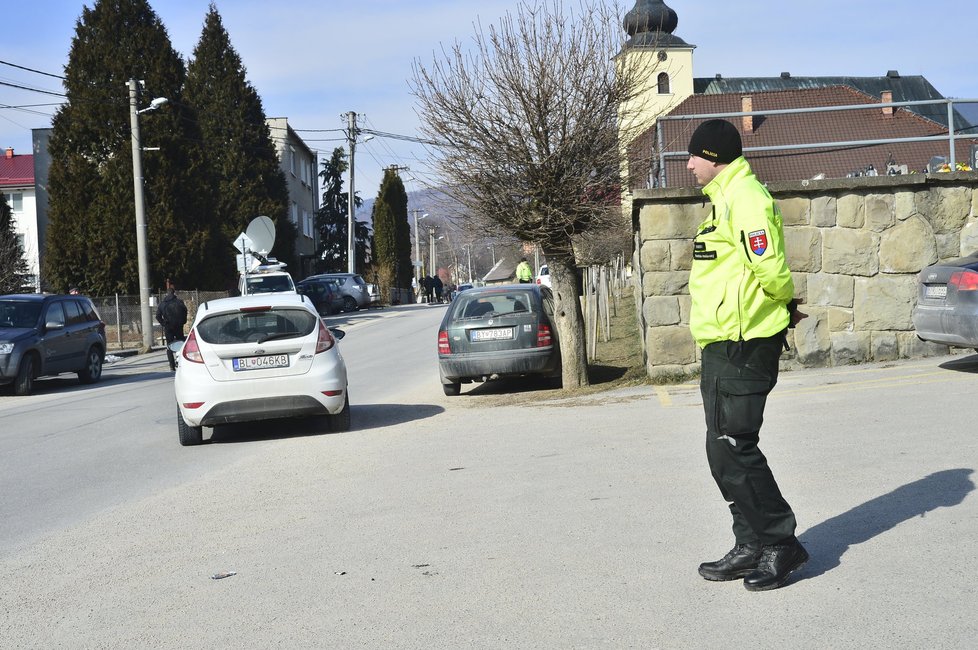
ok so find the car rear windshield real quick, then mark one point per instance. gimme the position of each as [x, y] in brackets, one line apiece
[269, 283]
[257, 326]
[494, 304]
[19, 313]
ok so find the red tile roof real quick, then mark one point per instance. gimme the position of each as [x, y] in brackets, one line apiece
[806, 128]
[16, 171]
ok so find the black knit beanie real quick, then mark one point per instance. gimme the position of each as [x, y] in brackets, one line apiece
[716, 140]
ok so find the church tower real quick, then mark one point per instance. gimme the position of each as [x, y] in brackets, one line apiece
[666, 58]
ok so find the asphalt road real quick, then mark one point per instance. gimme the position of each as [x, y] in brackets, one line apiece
[445, 522]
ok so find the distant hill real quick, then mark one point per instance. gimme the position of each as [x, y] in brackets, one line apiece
[435, 202]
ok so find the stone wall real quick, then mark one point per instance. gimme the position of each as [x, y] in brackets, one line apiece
[854, 246]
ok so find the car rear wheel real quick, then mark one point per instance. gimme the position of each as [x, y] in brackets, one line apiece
[188, 435]
[452, 389]
[341, 421]
[350, 303]
[93, 366]
[24, 382]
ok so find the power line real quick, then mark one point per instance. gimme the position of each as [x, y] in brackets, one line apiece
[34, 90]
[20, 67]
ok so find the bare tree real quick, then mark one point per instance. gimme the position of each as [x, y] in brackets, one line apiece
[529, 116]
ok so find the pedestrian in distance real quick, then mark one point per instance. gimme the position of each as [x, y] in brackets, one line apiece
[742, 305]
[524, 274]
[172, 315]
[438, 286]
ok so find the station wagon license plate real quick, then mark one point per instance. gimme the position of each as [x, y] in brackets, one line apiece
[261, 363]
[935, 291]
[494, 334]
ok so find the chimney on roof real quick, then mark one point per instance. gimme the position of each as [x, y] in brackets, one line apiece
[786, 75]
[719, 76]
[892, 74]
[10, 152]
[747, 121]
[887, 98]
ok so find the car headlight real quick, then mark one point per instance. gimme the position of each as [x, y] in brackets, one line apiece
[6, 348]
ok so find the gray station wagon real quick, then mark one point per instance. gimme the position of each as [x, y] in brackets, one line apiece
[498, 331]
[43, 334]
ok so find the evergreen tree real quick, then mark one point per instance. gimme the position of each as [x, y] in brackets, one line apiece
[91, 240]
[332, 218]
[244, 168]
[13, 265]
[392, 235]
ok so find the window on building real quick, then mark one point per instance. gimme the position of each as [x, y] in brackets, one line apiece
[663, 83]
[294, 213]
[15, 200]
[292, 159]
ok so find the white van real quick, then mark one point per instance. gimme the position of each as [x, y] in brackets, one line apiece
[267, 278]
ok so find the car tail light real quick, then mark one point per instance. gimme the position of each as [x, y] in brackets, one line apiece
[544, 338]
[538, 280]
[964, 280]
[326, 340]
[192, 405]
[191, 351]
[332, 393]
[255, 308]
[443, 345]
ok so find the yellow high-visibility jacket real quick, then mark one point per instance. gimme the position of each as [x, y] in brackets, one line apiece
[740, 283]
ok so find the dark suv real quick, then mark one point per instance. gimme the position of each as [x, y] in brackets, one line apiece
[43, 334]
[325, 295]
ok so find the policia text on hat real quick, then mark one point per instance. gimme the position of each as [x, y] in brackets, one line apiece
[742, 295]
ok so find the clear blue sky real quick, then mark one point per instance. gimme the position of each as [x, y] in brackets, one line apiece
[312, 60]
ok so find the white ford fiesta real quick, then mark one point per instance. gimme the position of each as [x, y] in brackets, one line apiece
[258, 358]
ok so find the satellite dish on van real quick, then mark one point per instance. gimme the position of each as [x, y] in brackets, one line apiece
[261, 232]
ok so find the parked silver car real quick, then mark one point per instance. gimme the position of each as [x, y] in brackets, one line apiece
[353, 289]
[947, 303]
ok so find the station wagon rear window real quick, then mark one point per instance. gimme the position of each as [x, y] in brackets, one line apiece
[257, 326]
[495, 304]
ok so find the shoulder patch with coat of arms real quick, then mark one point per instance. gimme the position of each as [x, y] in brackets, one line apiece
[757, 241]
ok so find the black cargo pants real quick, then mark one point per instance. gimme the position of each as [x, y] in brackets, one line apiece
[736, 379]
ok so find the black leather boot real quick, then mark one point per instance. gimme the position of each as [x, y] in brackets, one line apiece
[776, 565]
[737, 563]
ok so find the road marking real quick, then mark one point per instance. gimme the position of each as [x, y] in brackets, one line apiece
[663, 394]
[942, 376]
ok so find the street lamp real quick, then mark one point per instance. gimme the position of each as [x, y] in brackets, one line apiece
[146, 318]
[417, 245]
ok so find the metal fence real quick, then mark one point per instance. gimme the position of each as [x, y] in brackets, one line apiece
[123, 325]
[829, 141]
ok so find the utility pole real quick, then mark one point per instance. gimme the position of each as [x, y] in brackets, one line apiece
[351, 139]
[142, 255]
[417, 245]
[431, 252]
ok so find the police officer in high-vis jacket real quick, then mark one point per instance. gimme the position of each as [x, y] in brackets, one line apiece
[742, 304]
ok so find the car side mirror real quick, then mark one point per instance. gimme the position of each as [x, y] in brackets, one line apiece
[54, 326]
[337, 333]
